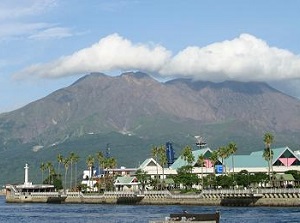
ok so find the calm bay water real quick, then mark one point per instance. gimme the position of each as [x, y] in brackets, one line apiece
[92, 213]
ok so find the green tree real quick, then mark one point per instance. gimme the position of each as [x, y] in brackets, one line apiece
[162, 161]
[295, 173]
[142, 177]
[258, 178]
[72, 158]
[224, 181]
[232, 148]
[49, 166]
[214, 157]
[66, 163]
[101, 159]
[154, 154]
[186, 177]
[43, 168]
[187, 155]
[243, 178]
[90, 162]
[201, 162]
[56, 178]
[223, 153]
[111, 163]
[60, 159]
[75, 161]
[268, 152]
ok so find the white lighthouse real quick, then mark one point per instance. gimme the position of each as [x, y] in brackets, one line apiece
[26, 183]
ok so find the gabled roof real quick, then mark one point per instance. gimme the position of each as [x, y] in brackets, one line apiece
[284, 177]
[147, 162]
[196, 153]
[126, 180]
[278, 152]
[256, 159]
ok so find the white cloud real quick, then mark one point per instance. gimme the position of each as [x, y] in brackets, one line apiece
[244, 58]
[16, 20]
[14, 30]
[114, 6]
[52, 33]
[15, 9]
[110, 53]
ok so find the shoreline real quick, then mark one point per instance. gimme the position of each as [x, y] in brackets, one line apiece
[246, 202]
[287, 197]
[162, 198]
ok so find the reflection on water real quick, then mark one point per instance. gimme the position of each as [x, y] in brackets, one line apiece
[92, 213]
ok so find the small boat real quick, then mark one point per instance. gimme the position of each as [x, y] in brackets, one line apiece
[191, 217]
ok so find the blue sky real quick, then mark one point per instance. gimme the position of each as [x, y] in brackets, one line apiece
[48, 44]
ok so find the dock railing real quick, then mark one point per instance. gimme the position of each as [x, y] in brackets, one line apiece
[252, 191]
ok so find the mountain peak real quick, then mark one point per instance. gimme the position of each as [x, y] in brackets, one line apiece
[235, 86]
[138, 75]
[90, 76]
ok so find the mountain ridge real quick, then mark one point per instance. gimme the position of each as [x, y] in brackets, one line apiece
[197, 100]
[134, 107]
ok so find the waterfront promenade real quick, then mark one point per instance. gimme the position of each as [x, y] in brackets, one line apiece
[243, 197]
[247, 197]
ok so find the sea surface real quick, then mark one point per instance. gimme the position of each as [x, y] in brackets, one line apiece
[92, 213]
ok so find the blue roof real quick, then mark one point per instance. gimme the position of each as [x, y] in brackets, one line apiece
[196, 153]
[255, 159]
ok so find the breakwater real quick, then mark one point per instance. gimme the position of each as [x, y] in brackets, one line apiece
[258, 197]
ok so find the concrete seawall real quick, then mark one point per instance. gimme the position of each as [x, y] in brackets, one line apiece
[207, 198]
[166, 198]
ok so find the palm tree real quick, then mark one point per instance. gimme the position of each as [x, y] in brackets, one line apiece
[268, 152]
[223, 153]
[90, 163]
[100, 159]
[49, 166]
[60, 159]
[43, 168]
[75, 161]
[232, 150]
[72, 158]
[154, 153]
[200, 162]
[66, 163]
[188, 156]
[162, 160]
[214, 158]
[111, 162]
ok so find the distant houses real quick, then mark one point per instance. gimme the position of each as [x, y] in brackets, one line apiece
[284, 159]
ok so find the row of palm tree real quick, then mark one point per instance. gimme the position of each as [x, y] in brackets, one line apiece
[158, 153]
[104, 163]
[224, 152]
[160, 156]
[268, 152]
[71, 169]
[47, 166]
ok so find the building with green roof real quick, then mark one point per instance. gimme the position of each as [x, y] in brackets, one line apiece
[284, 159]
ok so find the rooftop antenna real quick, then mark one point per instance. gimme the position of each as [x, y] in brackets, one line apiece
[200, 142]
